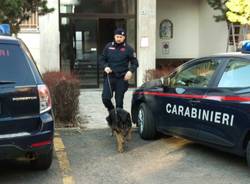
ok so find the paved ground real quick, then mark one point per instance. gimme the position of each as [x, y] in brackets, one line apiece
[89, 156]
[93, 157]
[92, 109]
[94, 160]
[19, 172]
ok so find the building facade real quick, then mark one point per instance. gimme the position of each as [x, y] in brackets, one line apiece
[161, 31]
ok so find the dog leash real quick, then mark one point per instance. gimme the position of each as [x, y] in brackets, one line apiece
[112, 95]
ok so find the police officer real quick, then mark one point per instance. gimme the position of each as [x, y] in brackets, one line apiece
[119, 61]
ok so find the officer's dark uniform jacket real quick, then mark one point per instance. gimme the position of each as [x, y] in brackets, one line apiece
[117, 57]
[121, 59]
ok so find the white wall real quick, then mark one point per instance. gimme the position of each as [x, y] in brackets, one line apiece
[213, 36]
[50, 39]
[32, 41]
[184, 15]
[43, 43]
[146, 28]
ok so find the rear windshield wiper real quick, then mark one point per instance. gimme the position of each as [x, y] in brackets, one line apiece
[7, 82]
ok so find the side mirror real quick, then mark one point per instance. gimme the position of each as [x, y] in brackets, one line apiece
[165, 81]
[168, 81]
[162, 81]
[153, 83]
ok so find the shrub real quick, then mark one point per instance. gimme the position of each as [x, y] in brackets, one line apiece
[65, 90]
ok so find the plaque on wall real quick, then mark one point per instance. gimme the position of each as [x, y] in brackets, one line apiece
[166, 29]
[165, 48]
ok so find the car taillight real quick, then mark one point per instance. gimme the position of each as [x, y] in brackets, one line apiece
[44, 97]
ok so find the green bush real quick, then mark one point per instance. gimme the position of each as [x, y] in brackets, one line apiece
[64, 90]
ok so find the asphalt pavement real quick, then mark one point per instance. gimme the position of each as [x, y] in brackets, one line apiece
[94, 159]
[88, 156]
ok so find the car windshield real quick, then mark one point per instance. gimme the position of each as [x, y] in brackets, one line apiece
[14, 67]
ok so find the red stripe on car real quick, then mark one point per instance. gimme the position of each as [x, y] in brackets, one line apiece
[216, 98]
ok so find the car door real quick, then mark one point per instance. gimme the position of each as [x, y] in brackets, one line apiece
[181, 97]
[228, 104]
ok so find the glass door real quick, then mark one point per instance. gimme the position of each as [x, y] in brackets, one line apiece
[82, 43]
[79, 50]
[85, 28]
[85, 52]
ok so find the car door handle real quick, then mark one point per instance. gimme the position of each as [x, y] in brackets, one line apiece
[195, 101]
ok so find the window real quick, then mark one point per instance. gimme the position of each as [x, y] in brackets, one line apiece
[198, 75]
[237, 74]
[238, 33]
[234, 34]
[31, 23]
[14, 65]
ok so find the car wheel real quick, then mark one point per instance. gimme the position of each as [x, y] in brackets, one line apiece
[147, 127]
[43, 162]
[248, 153]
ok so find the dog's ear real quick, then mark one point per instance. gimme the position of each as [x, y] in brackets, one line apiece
[123, 115]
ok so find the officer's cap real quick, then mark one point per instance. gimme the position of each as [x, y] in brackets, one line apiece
[120, 31]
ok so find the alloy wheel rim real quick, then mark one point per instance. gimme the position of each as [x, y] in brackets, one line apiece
[141, 120]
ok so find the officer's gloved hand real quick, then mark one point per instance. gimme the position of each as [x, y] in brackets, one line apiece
[107, 70]
[128, 75]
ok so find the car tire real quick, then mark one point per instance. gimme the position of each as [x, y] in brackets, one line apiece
[146, 122]
[43, 161]
[248, 153]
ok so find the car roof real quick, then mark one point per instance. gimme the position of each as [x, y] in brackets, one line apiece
[230, 54]
[8, 39]
[218, 55]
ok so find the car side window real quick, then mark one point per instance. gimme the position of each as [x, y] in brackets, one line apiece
[197, 75]
[236, 74]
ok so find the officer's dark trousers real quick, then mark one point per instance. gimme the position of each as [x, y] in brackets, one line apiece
[118, 86]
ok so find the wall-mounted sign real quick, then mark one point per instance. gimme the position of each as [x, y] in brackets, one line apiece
[166, 29]
[165, 48]
[144, 42]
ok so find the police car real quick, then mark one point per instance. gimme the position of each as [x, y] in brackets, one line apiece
[26, 119]
[206, 100]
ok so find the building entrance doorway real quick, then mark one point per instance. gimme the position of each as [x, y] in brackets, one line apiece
[82, 45]
[85, 28]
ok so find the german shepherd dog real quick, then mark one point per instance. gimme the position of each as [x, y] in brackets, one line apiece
[120, 123]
